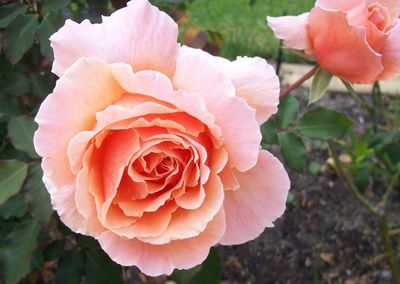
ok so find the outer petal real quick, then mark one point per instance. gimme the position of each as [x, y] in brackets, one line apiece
[259, 201]
[86, 88]
[292, 30]
[391, 55]
[63, 201]
[343, 5]
[196, 74]
[155, 260]
[139, 34]
[254, 79]
[342, 49]
[257, 83]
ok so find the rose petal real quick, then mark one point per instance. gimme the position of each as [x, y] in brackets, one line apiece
[86, 88]
[343, 5]
[259, 201]
[63, 201]
[190, 223]
[195, 74]
[292, 30]
[342, 49]
[392, 5]
[155, 260]
[139, 34]
[391, 55]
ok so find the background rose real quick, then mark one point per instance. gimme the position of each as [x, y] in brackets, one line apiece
[356, 40]
[153, 148]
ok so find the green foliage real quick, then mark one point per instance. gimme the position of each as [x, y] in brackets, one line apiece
[324, 124]
[37, 197]
[16, 254]
[20, 131]
[12, 176]
[319, 85]
[9, 12]
[100, 269]
[21, 35]
[293, 150]
[70, 267]
[288, 110]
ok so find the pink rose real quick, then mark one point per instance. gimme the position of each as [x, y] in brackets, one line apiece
[356, 40]
[154, 148]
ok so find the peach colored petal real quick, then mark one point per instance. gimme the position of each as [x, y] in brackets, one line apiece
[376, 38]
[292, 30]
[63, 201]
[391, 55]
[150, 224]
[155, 260]
[139, 34]
[190, 223]
[195, 74]
[257, 83]
[343, 5]
[254, 79]
[392, 5]
[86, 88]
[259, 201]
[143, 81]
[342, 49]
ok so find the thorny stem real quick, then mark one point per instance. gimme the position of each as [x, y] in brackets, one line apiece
[299, 82]
[351, 90]
[344, 176]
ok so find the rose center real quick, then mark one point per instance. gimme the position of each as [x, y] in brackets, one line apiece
[379, 16]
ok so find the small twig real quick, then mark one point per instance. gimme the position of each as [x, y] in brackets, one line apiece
[394, 181]
[298, 83]
[348, 180]
[389, 250]
[353, 92]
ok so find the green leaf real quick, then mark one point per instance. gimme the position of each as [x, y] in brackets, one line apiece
[14, 83]
[8, 106]
[54, 5]
[42, 84]
[324, 124]
[54, 250]
[15, 258]
[12, 176]
[49, 25]
[293, 151]
[319, 85]
[70, 267]
[210, 272]
[20, 131]
[99, 269]
[314, 167]
[269, 132]
[288, 110]
[20, 35]
[37, 197]
[15, 207]
[185, 276]
[10, 12]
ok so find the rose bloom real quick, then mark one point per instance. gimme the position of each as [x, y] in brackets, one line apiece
[356, 40]
[153, 148]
